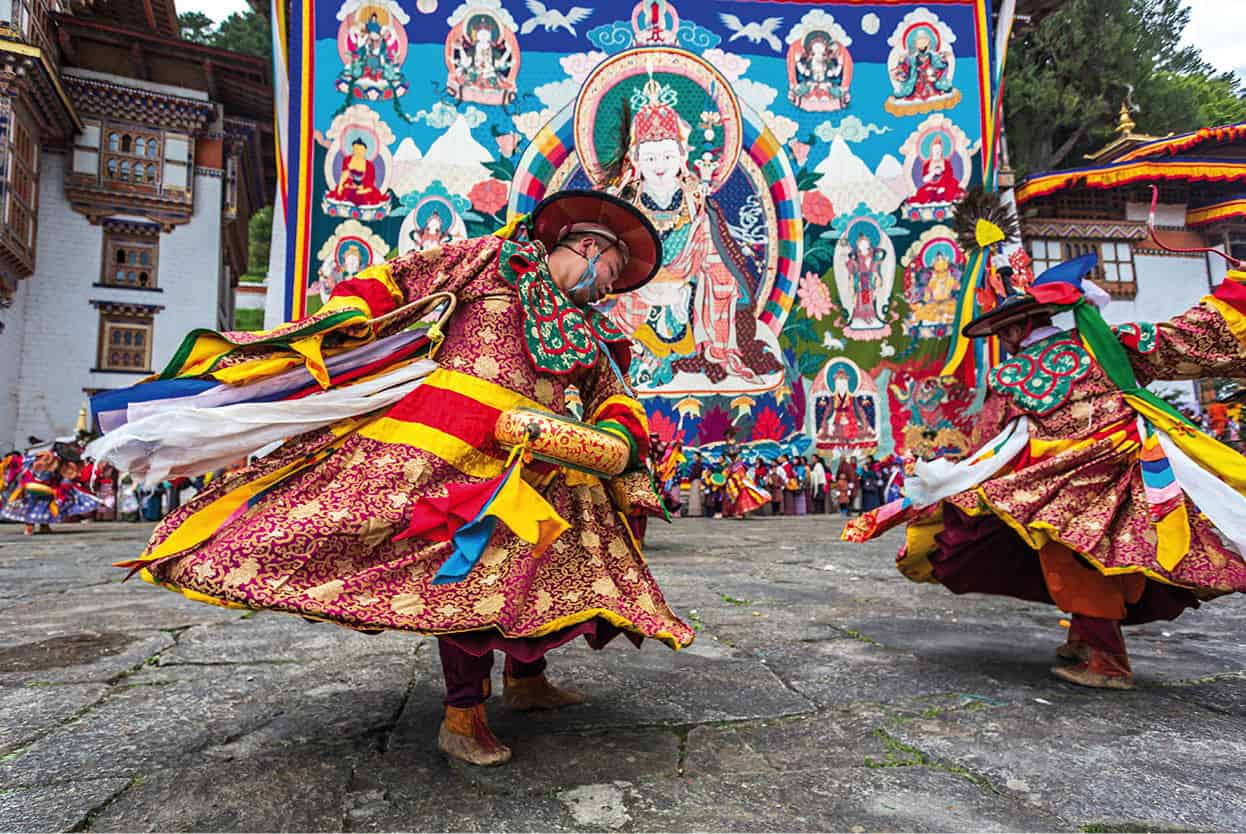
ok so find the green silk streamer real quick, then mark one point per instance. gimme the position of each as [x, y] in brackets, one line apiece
[1107, 350]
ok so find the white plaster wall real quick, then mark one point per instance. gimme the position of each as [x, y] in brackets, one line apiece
[62, 327]
[1166, 214]
[190, 273]
[275, 299]
[249, 297]
[1167, 286]
[11, 342]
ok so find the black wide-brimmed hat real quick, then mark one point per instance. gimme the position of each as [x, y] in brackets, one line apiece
[565, 212]
[1012, 309]
[1051, 292]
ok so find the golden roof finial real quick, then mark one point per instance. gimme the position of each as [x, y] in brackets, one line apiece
[1125, 125]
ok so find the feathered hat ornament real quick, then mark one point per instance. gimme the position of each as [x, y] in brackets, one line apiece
[982, 219]
[983, 222]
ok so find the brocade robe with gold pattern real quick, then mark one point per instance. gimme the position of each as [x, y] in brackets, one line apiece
[1080, 481]
[321, 543]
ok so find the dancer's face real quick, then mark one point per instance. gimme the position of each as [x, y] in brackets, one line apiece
[1011, 335]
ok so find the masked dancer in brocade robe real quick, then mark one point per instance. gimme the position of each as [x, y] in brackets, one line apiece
[398, 509]
[741, 495]
[1087, 490]
[44, 490]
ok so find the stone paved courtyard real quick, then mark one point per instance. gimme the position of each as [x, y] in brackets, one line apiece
[824, 692]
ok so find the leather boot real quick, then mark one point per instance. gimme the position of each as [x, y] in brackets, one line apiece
[1074, 649]
[465, 735]
[1102, 671]
[536, 692]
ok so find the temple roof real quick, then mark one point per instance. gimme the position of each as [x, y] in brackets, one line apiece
[157, 16]
[1213, 157]
[241, 83]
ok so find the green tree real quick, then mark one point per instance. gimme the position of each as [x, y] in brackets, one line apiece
[1068, 76]
[245, 32]
[196, 27]
[259, 239]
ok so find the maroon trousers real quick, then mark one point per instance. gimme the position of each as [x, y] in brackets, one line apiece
[467, 675]
[1098, 633]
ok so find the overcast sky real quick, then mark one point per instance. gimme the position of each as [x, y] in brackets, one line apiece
[1217, 27]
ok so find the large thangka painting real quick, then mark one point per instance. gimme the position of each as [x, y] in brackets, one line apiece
[800, 162]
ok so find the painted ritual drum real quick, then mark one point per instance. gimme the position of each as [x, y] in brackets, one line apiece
[563, 441]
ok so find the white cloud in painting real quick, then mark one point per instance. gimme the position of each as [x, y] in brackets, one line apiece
[851, 129]
[755, 94]
[819, 20]
[442, 115]
[728, 63]
[558, 94]
[351, 6]
[578, 65]
[531, 122]
[870, 24]
[887, 350]
[783, 128]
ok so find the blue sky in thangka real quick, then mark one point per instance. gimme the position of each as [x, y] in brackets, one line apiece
[1217, 27]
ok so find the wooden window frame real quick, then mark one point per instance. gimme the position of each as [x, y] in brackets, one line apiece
[1106, 273]
[112, 322]
[113, 242]
[22, 183]
[119, 158]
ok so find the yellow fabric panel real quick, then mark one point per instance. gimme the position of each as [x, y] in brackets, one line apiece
[1173, 531]
[1207, 452]
[207, 349]
[309, 348]
[919, 543]
[255, 370]
[462, 456]
[483, 391]
[528, 515]
[1235, 320]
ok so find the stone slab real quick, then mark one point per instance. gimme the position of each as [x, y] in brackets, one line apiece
[56, 807]
[298, 789]
[1101, 758]
[25, 714]
[833, 799]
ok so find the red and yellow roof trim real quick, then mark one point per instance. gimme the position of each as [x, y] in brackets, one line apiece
[1232, 209]
[1118, 174]
[1187, 141]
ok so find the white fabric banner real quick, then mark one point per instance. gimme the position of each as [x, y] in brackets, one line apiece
[940, 478]
[1223, 505]
[191, 441]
